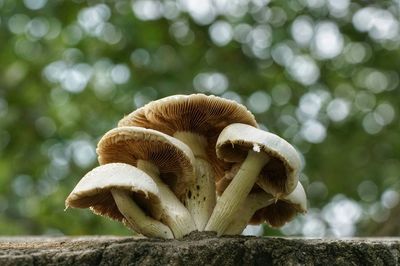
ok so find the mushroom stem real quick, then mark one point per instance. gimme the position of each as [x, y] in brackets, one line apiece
[201, 197]
[136, 218]
[235, 194]
[253, 202]
[174, 214]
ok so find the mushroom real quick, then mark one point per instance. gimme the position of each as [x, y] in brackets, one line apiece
[168, 161]
[286, 208]
[264, 157]
[124, 193]
[261, 206]
[196, 120]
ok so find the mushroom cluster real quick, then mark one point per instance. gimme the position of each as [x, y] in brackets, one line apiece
[192, 162]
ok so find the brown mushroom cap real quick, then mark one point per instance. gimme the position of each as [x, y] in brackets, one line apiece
[94, 189]
[197, 113]
[282, 170]
[172, 157]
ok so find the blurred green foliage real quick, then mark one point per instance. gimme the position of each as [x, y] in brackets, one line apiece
[323, 74]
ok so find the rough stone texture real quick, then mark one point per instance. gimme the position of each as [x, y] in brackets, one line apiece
[198, 249]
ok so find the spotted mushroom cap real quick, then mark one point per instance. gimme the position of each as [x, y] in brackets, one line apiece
[174, 159]
[198, 113]
[94, 190]
[280, 174]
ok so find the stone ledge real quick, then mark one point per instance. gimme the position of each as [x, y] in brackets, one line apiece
[198, 249]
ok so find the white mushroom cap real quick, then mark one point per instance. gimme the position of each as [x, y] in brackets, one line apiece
[298, 197]
[280, 175]
[94, 190]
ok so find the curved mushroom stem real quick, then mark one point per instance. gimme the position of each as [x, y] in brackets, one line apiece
[201, 195]
[136, 217]
[235, 194]
[253, 202]
[174, 214]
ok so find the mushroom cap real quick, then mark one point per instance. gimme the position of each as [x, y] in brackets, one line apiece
[174, 159]
[198, 113]
[94, 189]
[281, 172]
[284, 210]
